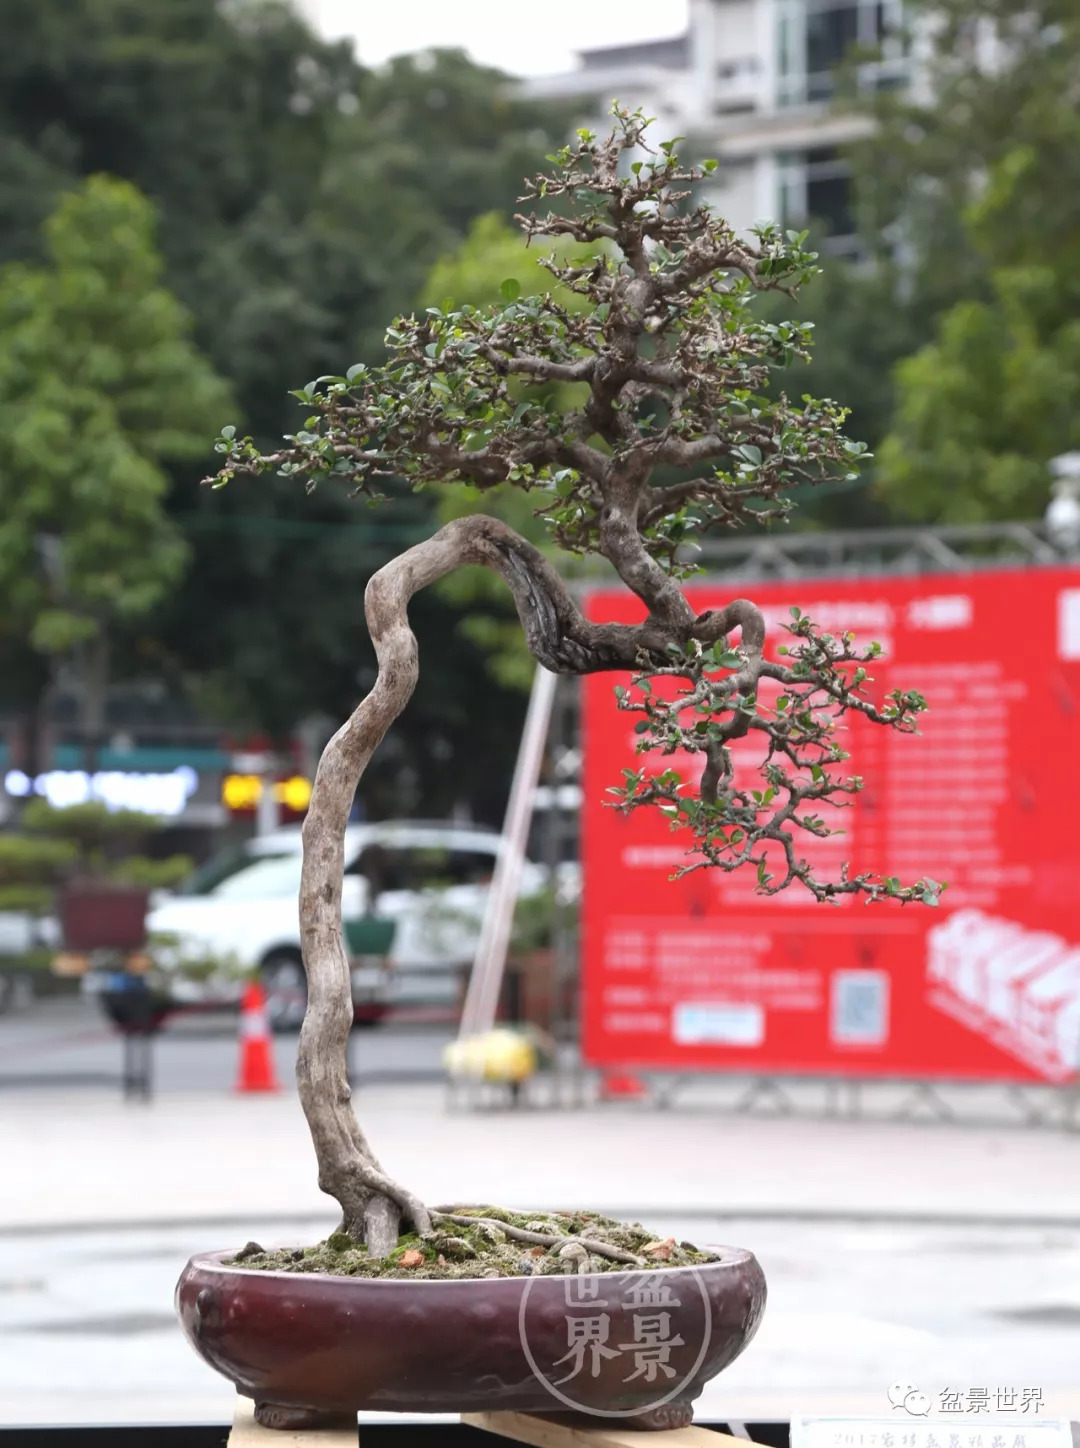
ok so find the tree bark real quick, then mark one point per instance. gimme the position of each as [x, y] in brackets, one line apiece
[560, 639]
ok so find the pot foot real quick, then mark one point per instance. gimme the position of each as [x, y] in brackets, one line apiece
[281, 1415]
[676, 1414]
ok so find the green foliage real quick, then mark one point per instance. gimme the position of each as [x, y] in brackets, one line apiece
[84, 840]
[476, 273]
[305, 282]
[303, 200]
[92, 825]
[984, 187]
[466, 396]
[980, 412]
[862, 328]
[536, 918]
[148, 874]
[482, 272]
[676, 365]
[100, 386]
[30, 868]
[25, 860]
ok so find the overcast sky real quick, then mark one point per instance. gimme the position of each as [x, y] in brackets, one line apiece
[515, 35]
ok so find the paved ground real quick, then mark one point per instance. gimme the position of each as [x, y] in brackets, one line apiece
[946, 1254]
[69, 1041]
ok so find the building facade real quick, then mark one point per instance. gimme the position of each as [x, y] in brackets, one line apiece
[752, 82]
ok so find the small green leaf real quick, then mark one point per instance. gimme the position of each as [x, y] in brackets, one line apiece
[510, 289]
[228, 431]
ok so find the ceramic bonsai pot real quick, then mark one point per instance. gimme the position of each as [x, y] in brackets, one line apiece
[628, 1345]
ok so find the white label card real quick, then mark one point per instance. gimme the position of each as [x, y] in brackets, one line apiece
[964, 1430]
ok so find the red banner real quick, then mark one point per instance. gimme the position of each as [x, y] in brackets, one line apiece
[704, 973]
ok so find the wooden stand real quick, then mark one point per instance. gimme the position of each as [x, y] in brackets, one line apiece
[521, 1427]
[551, 1433]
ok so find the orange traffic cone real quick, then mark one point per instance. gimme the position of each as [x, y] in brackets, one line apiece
[256, 1045]
[621, 1086]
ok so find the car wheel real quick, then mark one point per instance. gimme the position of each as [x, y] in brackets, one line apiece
[285, 986]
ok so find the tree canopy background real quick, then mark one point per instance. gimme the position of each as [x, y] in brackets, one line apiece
[955, 339]
[302, 200]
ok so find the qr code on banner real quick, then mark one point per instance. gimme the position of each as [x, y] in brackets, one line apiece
[859, 1014]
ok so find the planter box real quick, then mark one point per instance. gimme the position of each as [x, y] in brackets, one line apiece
[100, 918]
[369, 935]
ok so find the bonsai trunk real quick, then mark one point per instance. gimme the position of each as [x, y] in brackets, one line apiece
[371, 1203]
[561, 640]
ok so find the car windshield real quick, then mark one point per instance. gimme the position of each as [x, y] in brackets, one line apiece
[264, 878]
[222, 866]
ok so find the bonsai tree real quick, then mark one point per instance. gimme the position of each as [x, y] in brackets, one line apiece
[676, 432]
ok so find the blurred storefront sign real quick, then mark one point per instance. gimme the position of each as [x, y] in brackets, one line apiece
[162, 794]
[177, 783]
[704, 973]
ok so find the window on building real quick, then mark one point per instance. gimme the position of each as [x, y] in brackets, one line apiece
[814, 37]
[830, 35]
[828, 192]
[815, 187]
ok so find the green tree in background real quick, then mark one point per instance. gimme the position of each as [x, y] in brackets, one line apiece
[303, 200]
[982, 189]
[863, 327]
[100, 387]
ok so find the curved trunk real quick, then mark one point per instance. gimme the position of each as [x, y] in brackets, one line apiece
[561, 640]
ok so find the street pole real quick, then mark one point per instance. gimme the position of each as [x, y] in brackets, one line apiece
[267, 815]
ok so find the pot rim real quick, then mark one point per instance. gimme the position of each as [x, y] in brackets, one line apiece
[212, 1262]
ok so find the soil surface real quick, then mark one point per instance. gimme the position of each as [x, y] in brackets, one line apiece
[489, 1242]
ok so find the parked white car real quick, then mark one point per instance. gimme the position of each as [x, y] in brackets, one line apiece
[241, 910]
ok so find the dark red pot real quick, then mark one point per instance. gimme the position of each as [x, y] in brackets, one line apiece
[634, 1346]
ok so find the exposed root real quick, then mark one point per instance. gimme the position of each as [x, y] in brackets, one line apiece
[486, 1241]
[542, 1239]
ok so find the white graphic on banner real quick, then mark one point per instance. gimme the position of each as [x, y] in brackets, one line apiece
[859, 1008]
[1069, 623]
[942, 611]
[1018, 988]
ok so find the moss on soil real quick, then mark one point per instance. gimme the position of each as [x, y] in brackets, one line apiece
[455, 1250]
